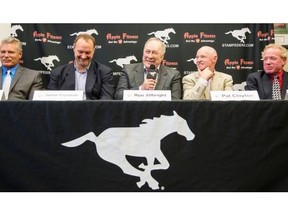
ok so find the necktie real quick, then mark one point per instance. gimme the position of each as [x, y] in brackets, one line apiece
[6, 84]
[276, 93]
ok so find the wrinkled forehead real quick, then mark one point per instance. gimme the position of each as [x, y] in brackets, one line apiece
[10, 46]
[153, 45]
[272, 51]
[84, 43]
[207, 51]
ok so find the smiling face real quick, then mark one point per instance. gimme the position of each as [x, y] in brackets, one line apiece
[206, 57]
[83, 52]
[10, 54]
[153, 53]
[272, 60]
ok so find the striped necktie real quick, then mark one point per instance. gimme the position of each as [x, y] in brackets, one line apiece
[6, 84]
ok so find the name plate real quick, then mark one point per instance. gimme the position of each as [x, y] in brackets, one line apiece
[51, 95]
[234, 95]
[147, 95]
[2, 95]
[286, 95]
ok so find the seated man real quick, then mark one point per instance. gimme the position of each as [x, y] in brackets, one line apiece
[94, 79]
[134, 76]
[17, 82]
[198, 85]
[274, 58]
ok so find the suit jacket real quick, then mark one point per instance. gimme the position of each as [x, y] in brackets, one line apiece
[132, 77]
[261, 82]
[193, 89]
[99, 84]
[24, 83]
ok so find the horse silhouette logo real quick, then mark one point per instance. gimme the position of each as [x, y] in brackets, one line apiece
[90, 32]
[240, 34]
[192, 59]
[48, 61]
[163, 35]
[114, 144]
[239, 86]
[121, 61]
[14, 28]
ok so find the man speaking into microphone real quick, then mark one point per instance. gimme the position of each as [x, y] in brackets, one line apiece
[150, 74]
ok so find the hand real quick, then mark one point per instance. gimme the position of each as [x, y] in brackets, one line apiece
[206, 74]
[148, 84]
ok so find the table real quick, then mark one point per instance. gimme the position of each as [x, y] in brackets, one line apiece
[143, 146]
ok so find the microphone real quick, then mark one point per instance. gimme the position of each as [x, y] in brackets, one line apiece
[151, 73]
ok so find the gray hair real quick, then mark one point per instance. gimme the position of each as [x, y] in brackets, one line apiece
[12, 40]
[163, 46]
[282, 49]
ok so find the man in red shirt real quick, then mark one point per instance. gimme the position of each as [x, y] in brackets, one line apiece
[274, 58]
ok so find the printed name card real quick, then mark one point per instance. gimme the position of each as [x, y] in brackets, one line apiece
[2, 95]
[51, 95]
[286, 95]
[234, 95]
[147, 95]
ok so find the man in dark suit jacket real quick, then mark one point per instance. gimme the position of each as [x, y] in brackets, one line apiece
[274, 58]
[94, 79]
[24, 81]
[134, 76]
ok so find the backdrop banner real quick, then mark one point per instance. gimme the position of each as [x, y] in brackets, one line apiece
[239, 46]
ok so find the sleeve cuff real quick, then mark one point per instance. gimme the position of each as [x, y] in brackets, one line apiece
[203, 81]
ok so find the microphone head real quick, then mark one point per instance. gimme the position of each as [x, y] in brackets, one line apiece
[152, 67]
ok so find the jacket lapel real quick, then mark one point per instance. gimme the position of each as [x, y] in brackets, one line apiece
[162, 78]
[69, 78]
[214, 85]
[267, 86]
[1, 74]
[139, 75]
[91, 77]
[18, 74]
[285, 83]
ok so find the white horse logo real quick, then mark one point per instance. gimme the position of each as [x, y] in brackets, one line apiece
[14, 28]
[192, 59]
[48, 61]
[90, 32]
[121, 61]
[239, 87]
[163, 35]
[114, 144]
[240, 34]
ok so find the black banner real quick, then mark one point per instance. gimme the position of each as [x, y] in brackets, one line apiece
[239, 46]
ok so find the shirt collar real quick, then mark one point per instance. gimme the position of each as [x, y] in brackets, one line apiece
[157, 68]
[280, 75]
[12, 70]
[86, 69]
